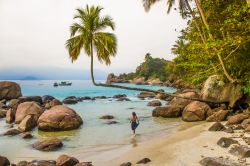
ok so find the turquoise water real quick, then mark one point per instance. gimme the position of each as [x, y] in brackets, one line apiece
[94, 133]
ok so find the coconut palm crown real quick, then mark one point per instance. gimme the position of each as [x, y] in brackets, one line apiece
[88, 34]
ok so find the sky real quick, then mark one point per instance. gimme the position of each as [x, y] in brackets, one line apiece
[33, 33]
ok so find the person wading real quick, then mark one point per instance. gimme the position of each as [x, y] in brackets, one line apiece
[134, 121]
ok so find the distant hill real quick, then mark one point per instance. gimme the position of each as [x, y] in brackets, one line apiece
[48, 73]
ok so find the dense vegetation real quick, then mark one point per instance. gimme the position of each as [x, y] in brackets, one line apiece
[216, 41]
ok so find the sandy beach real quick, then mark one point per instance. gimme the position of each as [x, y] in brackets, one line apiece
[184, 148]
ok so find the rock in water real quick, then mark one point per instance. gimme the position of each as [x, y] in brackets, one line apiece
[226, 142]
[146, 95]
[27, 135]
[4, 161]
[242, 151]
[144, 161]
[217, 127]
[47, 98]
[12, 132]
[107, 117]
[65, 160]
[50, 144]
[59, 118]
[126, 164]
[215, 161]
[154, 103]
[28, 108]
[218, 116]
[9, 90]
[236, 119]
[167, 112]
[27, 124]
[195, 111]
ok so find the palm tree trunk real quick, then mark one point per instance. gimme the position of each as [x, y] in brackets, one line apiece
[92, 65]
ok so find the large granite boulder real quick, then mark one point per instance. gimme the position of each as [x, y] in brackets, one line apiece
[216, 161]
[65, 160]
[181, 102]
[59, 118]
[195, 111]
[9, 90]
[236, 119]
[53, 103]
[216, 89]
[37, 99]
[217, 127]
[167, 112]
[28, 108]
[218, 116]
[50, 144]
[47, 98]
[226, 142]
[4, 161]
[154, 103]
[27, 124]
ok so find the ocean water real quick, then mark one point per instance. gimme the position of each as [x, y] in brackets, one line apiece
[95, 135]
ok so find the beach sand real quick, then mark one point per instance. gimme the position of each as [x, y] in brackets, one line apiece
[184, 148]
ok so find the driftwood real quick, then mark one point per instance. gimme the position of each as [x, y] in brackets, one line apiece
[154, 91]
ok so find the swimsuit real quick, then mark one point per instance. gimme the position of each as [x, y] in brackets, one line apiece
[134, 125]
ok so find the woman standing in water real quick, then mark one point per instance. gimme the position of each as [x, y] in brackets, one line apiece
[134, 121]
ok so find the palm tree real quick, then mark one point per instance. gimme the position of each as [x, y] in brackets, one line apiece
[87, 35]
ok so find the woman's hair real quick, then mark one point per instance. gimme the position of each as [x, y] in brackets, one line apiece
[133, 113]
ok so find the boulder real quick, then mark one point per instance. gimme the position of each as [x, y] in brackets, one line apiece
[154, 103]
[12, 132]
[50, 144]
[216, 89]
[218, 116]
[84, 164]
[27, 124]
[126, 164]
[146, 95]
[10, 115]
[245, 123]
[217, 127]
[100, 97]
[155, 81]
[23, 163]
[226, 142]
[70, 100]
[42, 163]
[13, 103]
[144, 161]
[119, 96]
[27, 135]
[28, 108]
[9, 90]
[59, 118]
[37, 99]
[229, 130]
[47, 98]
[182, 103]
[85, 98]
[216, 161]
[195, 111]
[53, 103]
[112, 122]
[162, 96]
[236, 119]
[242, 151]
[167, 112]
[247, 129]
[123, 99]
[65, 160]
[4, 161]
[2, 113]
[107, 117]
[138, 81]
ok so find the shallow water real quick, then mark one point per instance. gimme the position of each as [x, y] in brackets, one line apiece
[94, 136]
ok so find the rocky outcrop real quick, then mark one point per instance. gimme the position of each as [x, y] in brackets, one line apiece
[119, 96]
[143, 95]
[195, 111]
[4, 161]
[115, 79]
[167, 112]
[37, 99]
[155, 81]
[154, 103]
[217, 127]
[28, 108]
[218, 116]
[139, 81]
[236, 119]
[242, 151]
[50, 144]
[182, 103]
[123, 99]
[216, 89]
[65, 160]
[226, 142]
[27, 124]
[70, 100]
[59, 118]
[163, 96]
[216, 161]
[9, 90]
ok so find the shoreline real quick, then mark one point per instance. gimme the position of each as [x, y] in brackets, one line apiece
[186, 147]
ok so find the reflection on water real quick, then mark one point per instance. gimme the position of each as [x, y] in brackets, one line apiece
[134, 140]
